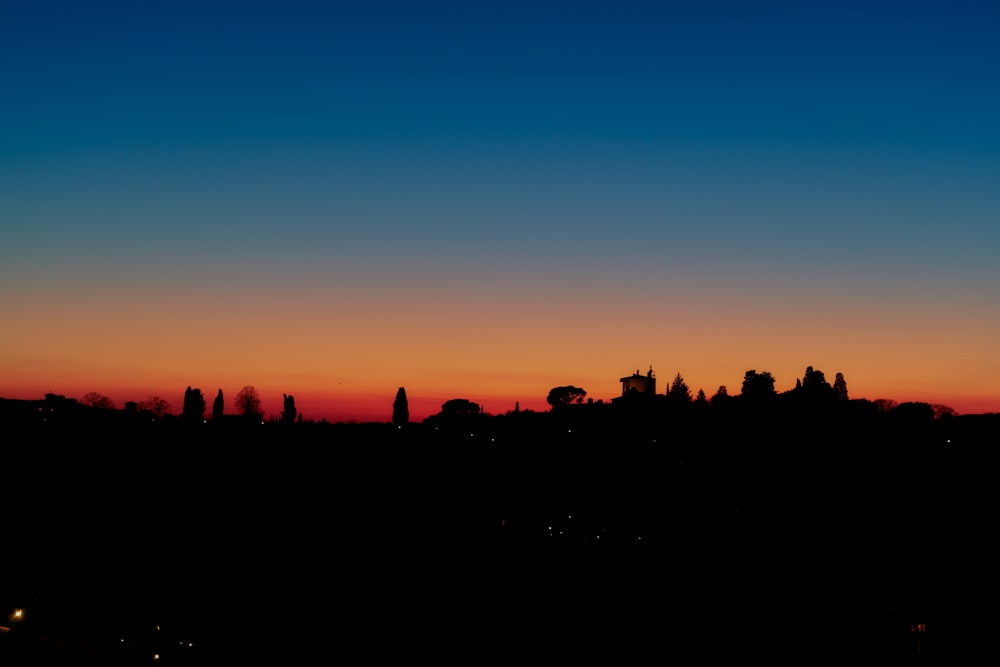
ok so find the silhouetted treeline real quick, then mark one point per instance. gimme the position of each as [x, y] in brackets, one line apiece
[746, 518]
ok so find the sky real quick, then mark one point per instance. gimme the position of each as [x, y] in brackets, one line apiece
[485, 200]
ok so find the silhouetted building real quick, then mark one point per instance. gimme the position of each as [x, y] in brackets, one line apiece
[643, 384]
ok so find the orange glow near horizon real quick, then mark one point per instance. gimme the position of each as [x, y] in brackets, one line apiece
[362, 401]
[343, 357]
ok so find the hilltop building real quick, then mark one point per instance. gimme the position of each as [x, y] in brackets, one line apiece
[641, 384]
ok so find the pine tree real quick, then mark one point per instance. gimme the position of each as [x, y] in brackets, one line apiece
[679, 390]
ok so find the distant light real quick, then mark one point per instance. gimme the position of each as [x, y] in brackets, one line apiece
[156, 656]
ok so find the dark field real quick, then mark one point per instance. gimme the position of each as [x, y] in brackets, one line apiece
[493, 539]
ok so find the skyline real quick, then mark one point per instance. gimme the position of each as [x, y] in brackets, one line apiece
[486, 201]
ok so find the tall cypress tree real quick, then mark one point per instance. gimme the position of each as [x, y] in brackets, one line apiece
[840, 387]
[218, 406]
[288, 413]
[400, 408]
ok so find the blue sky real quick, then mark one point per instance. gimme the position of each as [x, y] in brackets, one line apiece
[678, 152]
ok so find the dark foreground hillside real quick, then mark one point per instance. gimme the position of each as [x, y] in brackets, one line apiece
[551, 536]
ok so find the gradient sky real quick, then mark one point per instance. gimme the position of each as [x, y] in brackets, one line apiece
[489, 199]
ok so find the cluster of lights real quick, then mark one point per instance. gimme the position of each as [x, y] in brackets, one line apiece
[552, 530]
[17, 615]
[155, 657]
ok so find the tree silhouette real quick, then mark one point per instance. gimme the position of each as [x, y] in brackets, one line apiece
[885, 404]
[459, 406]
[840, 387]
[194, 405]
[218, 406]
[679, 391]
[565, 395]
[943, 411]
[758, 385]
[914, 412]
[247, 403]
[96, 400]
[156, 405]
[814, 384]
[288, 411]
[400, 408]
[721, 398]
